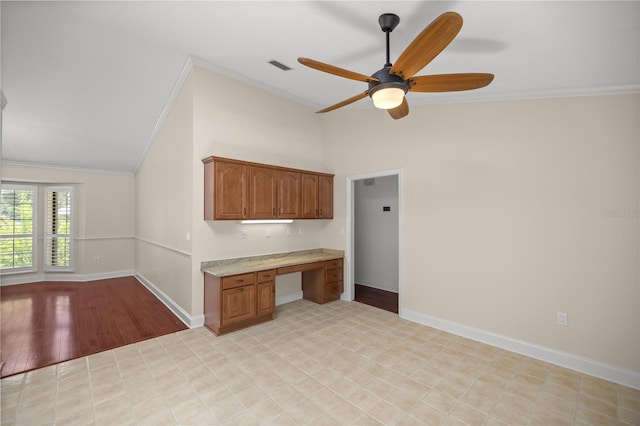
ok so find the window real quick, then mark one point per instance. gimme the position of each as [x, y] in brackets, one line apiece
[18, 228]
[58, 252]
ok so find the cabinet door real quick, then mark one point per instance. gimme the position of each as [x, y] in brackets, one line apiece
[325, 197]
[230, 191]
[309, 199]
[266, 298]
[238, 304]
[262, 192]
[288, 195]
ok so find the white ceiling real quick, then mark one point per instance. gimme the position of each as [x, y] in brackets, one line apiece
[87, 82]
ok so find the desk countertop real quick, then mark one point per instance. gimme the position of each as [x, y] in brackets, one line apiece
[242, 265]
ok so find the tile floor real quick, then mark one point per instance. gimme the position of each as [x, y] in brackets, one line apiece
[340, 363]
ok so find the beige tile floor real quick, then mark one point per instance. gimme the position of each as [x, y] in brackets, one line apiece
[340, 363]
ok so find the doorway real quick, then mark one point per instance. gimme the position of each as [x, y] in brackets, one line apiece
[373, 247]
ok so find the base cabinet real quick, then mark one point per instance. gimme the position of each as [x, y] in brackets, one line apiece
[238, 301]
[266, 288]
[325, 284]
[238, 304]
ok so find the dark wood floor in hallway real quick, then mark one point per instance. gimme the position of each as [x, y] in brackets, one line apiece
[50, 322]
[382, 299]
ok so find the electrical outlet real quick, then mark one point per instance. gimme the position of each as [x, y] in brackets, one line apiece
[288, 230]
[268, 232]
[300, 231]
[562, 318]
[96, 259]
[243, 234]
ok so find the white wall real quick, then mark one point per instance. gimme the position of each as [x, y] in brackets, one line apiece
[505, 215]
[376, 233]
[104, 208]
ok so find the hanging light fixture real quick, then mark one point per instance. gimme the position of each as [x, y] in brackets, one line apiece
[388, 92]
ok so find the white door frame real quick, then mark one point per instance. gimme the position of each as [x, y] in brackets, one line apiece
[349, 288]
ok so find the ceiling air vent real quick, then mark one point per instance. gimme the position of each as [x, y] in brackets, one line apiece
[280, 65]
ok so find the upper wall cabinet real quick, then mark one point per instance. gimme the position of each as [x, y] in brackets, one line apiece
[317, 196]
[237, 190]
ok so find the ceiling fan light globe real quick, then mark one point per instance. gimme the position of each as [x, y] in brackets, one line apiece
[388, 98]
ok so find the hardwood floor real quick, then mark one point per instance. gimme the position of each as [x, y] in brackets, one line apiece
[382, 299]
[50, 322]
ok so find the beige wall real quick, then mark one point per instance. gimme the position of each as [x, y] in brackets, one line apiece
[511, 211]
[506, 215]
[164, 204]
[215, 115]
[234, 120]
[104, 208]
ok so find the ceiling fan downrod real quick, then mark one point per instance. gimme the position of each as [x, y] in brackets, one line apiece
[388, 21]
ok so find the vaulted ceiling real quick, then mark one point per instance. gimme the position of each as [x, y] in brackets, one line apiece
[86, 82]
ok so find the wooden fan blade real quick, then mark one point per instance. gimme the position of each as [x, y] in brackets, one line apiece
[427, 45]
[345, 102]
[331, 69]
[449, 82]
[399, 111]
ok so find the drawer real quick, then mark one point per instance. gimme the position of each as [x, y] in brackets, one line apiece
[333, 264]
[332, 290]
[238, 280]
[333, 275]
[265, 276]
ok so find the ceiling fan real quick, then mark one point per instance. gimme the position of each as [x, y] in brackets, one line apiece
[388, 86]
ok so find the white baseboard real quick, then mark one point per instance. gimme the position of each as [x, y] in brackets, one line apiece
[574, 362]
[190, 321]
[286, 298]
[61, 276]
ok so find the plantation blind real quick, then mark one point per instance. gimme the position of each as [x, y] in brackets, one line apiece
[58, 253]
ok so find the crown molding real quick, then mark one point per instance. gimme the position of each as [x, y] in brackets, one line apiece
[65, 168]
[186, 70]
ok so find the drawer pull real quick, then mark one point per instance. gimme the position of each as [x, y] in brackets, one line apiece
[240, 289]
[239, 281]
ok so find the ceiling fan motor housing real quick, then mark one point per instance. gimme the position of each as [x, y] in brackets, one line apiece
[385, 81]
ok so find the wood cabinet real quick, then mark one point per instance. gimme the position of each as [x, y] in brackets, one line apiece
[263, 187]
[238, 301]
[324, 284]
[317, 196]
[225, 187]
[237, 190]
[309, 199]
[325, 197]
[266, 292]
[242, 300]
[288, 194]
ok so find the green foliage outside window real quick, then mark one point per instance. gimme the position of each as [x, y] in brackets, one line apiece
[16, 228]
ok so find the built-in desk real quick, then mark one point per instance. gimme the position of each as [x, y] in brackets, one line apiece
[240, 292]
